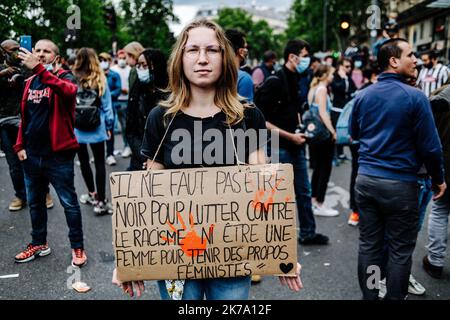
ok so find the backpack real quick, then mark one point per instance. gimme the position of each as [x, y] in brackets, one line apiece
[87, 109]
[316, 132]
[343, 137]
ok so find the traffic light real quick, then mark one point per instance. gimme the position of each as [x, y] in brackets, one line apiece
[110, 17]
[344, 26]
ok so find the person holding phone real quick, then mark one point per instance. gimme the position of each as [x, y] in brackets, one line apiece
[46, 145]
[203, 86]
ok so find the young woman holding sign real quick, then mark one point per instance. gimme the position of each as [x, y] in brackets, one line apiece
[203, 90]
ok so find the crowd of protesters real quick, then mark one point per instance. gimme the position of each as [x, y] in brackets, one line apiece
[392, 116]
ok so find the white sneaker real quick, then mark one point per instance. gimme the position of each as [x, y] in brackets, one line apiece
[126, 152]
[2, 154]
[414, 287]
[117, 153]
[110, 161]
[324, 211]
[382, 291]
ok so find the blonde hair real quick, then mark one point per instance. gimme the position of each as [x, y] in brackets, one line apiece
[134, 48]
[226, 96]
[88, 71]
[322, 72]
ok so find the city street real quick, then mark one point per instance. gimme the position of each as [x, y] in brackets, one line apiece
[329, 272]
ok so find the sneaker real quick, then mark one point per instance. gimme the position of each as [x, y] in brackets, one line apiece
[324, 211]
[256, 278]
[31, 252]
[110, 160]
[354, 219]
[382, 291]
[318, 239]
[103, 207]
[79, 257]
[49, 201]
[126, 152]
[2, 154]
[87, 199]
[17, 204]
[433, 271]
[117, 153]
[414, 287]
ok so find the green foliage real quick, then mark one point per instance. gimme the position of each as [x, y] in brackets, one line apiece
[306, 21]
[146, 21]
[259, 35]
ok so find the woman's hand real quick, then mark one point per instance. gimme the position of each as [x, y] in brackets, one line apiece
[127, 287]
[109, 133]
[293, 282]
[334, 136]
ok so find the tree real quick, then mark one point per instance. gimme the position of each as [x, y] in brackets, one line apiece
[146, 21]
[306, 21]
[40, 19]
[259, 35]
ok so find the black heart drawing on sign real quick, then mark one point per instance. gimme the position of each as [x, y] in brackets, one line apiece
[286, 267]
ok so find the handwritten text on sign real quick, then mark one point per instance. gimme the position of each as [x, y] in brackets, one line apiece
[204, 223]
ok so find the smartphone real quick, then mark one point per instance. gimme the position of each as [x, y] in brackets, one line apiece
[25, 42]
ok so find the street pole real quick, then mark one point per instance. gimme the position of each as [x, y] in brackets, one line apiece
[325, 5]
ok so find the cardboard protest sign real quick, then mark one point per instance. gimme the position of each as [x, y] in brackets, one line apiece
[204, 222]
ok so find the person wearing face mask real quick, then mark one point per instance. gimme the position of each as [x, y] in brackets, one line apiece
[357, 74]
[239, 44]
[123, 69]
[145, 94]
[46, 146]
[433, 75]
[115, 87]
[279, 101]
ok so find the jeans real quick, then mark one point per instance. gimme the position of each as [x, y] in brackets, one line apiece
[8, 136]
[302, 188]
[110, 142]
[59, 171]
[121, 112]
[213, 289]
[387, 209]
[438, 230]
[425, 195]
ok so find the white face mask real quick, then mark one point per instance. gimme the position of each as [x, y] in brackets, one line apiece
[104, 65]
[122, 63]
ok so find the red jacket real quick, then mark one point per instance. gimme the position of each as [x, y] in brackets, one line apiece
[62, 114]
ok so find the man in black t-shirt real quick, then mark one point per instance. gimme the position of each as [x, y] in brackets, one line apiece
[278, 100]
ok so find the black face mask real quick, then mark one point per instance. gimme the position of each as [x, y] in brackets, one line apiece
[429, 65]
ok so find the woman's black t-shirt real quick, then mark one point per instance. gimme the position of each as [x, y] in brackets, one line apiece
[202, 142]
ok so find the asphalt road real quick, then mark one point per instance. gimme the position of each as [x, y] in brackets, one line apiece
[329, 272]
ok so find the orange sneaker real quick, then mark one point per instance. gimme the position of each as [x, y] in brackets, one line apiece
[354, 219]
[79, 257]
[31, 252]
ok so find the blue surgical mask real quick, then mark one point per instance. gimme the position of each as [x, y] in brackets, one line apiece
[49, 66]
[358, 64]
[303, 65]
[145, 75]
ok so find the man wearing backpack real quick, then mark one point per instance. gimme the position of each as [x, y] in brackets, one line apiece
[46, 145]
[278, 100]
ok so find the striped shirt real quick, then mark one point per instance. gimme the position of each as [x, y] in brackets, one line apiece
[431, 79]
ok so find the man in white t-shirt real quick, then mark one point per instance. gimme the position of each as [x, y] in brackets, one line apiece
[433, 75]
[124, 71]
